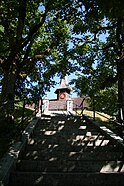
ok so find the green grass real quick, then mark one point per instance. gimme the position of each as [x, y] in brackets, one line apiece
[106, 120]
[9, 133]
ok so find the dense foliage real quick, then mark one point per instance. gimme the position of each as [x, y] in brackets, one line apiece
[100, 50]
[42, 38]
[34, 44]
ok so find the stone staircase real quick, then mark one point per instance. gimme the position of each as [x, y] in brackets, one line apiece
[69, 151]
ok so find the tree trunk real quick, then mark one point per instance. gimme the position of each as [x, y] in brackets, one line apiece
[121, 89]
[7, 94]
[120, 67]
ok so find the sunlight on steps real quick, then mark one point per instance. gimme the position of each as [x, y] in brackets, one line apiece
[69, 151]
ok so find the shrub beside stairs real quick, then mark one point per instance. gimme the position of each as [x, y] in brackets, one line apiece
[69, 151]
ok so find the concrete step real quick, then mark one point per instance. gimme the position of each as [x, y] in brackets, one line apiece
[70, 166]
[66, 179]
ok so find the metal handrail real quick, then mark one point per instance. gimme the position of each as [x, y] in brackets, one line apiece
[117, 124]
[80, 106]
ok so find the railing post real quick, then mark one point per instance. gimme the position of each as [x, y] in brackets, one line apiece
[23, 113]
[46, 104]
[94, 109]
[123, 134]
[70, 105]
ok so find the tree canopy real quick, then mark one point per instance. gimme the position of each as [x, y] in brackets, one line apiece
[99, 48]
[34, 44]
[42, 38]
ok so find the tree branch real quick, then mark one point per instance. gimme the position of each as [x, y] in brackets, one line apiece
[118, 32]
[31, 61]
[36, 27]
[17, 47]
[28, 50]
[112, 45]
[21, 19]
[105, 28]
[109, 81]
[5, 50]
[40, 56]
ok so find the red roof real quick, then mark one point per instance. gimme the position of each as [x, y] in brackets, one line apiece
[62, 104]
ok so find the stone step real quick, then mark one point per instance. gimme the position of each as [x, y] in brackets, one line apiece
[63, 127]
[96, 140]
[70, 166]
[65, 132]
[69, 144]
[67, 151]
[83, 134]
[66, 179]
[63, 120]
[94, 154]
